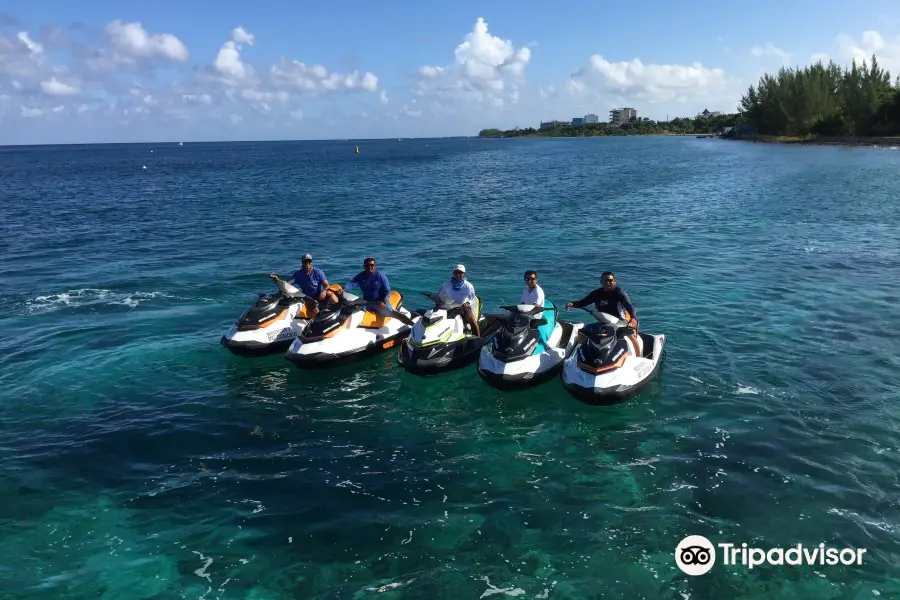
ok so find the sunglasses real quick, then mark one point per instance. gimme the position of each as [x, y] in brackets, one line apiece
[530, 278]
[369, 265]
[608, 280]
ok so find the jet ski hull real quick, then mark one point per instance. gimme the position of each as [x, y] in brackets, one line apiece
[272, 323]
[519, 374]
[616, 384]
[251, 348]
[341, 351]
[530, 370]
[449, 356]
[350, 337]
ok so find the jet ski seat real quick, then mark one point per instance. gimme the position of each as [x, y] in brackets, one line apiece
[372, 320]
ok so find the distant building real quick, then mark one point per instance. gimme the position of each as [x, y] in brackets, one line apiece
[619, 116]
[552, 124]
[577, 120]
[591, 118]
[709, 115]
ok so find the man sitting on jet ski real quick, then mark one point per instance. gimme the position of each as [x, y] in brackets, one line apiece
[313, 283]
[459, 289]
[609, 299]
[375, 291]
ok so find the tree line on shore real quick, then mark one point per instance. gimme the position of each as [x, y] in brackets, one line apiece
[818, 99]
[826, 100]
[637, 126]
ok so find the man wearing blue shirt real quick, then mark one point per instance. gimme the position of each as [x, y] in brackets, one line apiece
[313, 283]
[376, 291]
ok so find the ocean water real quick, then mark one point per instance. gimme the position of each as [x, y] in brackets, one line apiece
[141, 460]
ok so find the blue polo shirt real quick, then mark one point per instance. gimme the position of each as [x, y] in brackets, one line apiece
[374, 286]
[310, 283]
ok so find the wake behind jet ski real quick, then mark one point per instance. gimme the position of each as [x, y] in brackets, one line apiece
[529, 347]
[611, 361]
[441, 340]
[348, 331]
[271, 324]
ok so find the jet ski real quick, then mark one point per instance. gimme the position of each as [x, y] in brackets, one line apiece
[529, 347]
[611, 361]
[271, 324]
[348, 331]
[441, 340]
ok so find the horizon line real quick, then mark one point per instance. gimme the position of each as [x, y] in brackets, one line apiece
[268, 141]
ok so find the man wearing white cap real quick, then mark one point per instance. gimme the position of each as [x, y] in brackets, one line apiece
[458, 289]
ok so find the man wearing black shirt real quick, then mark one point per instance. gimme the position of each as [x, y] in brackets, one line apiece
[609, 299]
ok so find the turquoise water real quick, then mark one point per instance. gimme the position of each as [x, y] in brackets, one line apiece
[142, 460]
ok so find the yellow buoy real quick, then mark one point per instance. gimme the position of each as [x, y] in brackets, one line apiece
[357, 149]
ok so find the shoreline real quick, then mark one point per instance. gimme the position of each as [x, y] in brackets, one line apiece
[840, 141]
[532, 136]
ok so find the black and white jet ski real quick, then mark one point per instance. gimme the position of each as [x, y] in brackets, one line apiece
[271, 324]
[611, 361]
[348, 331]
[529, 347]
[441, 340]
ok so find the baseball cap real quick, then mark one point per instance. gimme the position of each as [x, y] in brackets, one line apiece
[460, 268]
[307, 257]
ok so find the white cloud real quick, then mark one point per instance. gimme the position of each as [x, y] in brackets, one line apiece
[236, 119]
[771, 50]
[257, 96]
[130, 43]
[297, 114]
[487, 69]
[31, 112]
[20, 56]
[872, 42]
[316, 79]
[240, 36]
[384, 97]
[54, 87]
[32, 46]
[228, 61]
[633, 82]
[204, 99]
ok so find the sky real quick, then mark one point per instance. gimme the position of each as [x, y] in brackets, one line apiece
[197, 70]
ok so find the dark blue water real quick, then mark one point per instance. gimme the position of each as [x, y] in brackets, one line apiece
[142, 460]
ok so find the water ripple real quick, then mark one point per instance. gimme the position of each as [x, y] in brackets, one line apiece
[142, 460]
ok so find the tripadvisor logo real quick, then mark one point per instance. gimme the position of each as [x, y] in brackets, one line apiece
[696, 555]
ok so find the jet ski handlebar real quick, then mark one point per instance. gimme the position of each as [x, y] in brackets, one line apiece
[349, 299]
[517, 308]
[441, 303]
[621, 326]
[289, 290]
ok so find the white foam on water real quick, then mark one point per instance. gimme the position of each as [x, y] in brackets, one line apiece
[201, 572]
[492, 589]
[742, 389]
[91, 297]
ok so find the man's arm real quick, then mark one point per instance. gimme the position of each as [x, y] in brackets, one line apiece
[385, 288]
[584, 301]
[470, 297]
[353, 283]
[626, 302]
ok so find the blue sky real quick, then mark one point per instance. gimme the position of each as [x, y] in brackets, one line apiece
[202, 70]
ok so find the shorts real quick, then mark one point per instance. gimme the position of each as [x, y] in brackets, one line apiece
[384, 312]
[314, 302]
